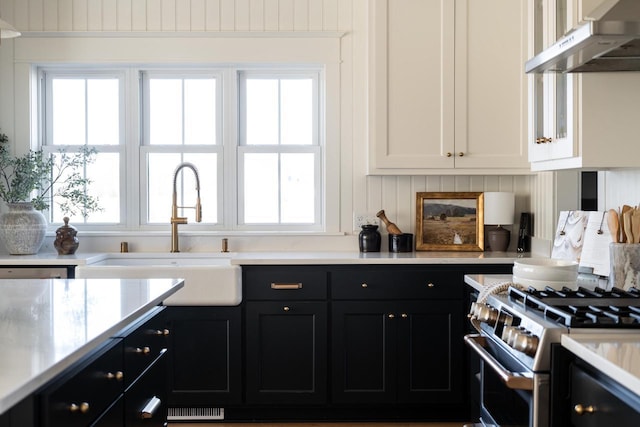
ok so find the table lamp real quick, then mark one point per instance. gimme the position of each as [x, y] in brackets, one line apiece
[499, 209]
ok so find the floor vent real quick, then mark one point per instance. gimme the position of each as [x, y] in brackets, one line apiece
[193, 414]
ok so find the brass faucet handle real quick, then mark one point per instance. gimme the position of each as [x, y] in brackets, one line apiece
[179, 220]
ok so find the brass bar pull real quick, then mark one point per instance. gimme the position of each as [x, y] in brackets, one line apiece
[150, 408]
[163, 332]
[118, 376]
[581, 409]
[83, 408]
[286, 286]
[513, 380]
[143, 350]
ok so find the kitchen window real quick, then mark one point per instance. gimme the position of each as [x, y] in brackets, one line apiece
[253, 134]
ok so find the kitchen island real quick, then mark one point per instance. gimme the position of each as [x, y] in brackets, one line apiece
[48, 325]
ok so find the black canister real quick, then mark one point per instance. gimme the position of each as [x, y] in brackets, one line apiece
[369, 238]
[401, 242]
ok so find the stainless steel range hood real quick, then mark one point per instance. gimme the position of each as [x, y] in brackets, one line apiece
[608, 40]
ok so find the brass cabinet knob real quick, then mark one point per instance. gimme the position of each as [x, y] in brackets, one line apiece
[449, 154]
[430, 285]
[404, 315]
[83, 408]
[143, 350]
[582, 410]
[364, 285]
[286, 308]
[118, 376]
[391, 316]
[163, 332]
[461, 154]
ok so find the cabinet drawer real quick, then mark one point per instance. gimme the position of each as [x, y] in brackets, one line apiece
[143, 344]
[80, 398]
[284, 283]
[146, 400]
[390, 283]
[612, 404]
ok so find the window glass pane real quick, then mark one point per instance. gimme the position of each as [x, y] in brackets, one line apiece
[199, 111]
[104, 183]
[161, 168]
[104, 112]
[297, 178]
[297, 112]
[165, 111]
[261, 188]
[262, 111]
[68, 116]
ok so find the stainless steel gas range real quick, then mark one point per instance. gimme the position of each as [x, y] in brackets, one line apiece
[516, 332]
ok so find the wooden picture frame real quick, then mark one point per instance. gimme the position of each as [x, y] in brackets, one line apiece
[449, 221]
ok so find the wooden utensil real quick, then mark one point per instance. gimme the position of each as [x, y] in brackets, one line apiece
[623, 227]
[626, 218]
[614, 225]
[635, 225]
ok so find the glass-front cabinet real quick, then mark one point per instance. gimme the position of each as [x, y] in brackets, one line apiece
[553, 120]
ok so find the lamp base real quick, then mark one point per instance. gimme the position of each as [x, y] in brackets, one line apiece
[498, 239]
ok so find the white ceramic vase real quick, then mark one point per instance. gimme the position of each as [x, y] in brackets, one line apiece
[22, 229]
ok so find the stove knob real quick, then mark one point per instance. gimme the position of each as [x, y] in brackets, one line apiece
[526, 343]
[487, 314]
[508, 333]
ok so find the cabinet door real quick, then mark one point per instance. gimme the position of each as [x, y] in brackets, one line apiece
[363, 340]
[411, 92]
[490, 85]
[286, 352]
[430, 351]
[205, 354]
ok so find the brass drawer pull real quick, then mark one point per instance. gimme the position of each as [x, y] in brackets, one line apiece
[143, 350]
[162, 332]
[285, 308]
[83, 408]
[364, 285]
[286, 286]
[430, 285]
[150, 408]
[582, 410]
[118, 376]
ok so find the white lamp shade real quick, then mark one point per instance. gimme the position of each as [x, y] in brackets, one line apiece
[7, 31]
[499, 208]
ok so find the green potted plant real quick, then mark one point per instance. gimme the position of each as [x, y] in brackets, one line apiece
[30, 183]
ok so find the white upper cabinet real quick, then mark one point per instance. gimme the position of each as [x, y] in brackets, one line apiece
[448, 93]
[578, 120]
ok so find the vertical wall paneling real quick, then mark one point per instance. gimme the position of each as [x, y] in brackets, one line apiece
[183, 15]
[110, 15]
[123, 15]
[20, 16]
[315, 15]
[65, 15]
[285, 15]
[50, 11]
[301, 15]
[330, 15]
[242, 15]
[256, 15]
[212, 12]
[227, 15]
[80, 15]
[168, 15]
[36, 15]
[198, 15]
[138, 15]
[94, 15]
[271, 15]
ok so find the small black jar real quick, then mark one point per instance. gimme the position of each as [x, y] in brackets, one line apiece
[369, 238]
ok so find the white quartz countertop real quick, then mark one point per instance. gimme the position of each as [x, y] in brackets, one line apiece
[287, 258]
[614, 354]
[48, 324]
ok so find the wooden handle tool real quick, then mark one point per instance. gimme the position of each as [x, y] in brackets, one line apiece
[626, 218]
[614, 225]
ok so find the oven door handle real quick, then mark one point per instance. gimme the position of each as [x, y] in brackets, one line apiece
[515, 381]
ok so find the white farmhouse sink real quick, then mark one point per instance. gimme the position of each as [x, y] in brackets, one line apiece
[209, 278]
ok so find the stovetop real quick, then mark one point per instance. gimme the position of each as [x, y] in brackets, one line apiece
[583, 308]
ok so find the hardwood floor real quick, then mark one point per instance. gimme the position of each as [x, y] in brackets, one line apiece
[295, 424]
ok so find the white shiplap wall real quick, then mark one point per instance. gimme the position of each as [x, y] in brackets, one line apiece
[359, 193]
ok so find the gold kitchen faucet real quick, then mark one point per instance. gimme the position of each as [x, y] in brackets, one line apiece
[175, 219]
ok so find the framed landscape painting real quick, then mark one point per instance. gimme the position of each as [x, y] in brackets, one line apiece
[449, 221]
